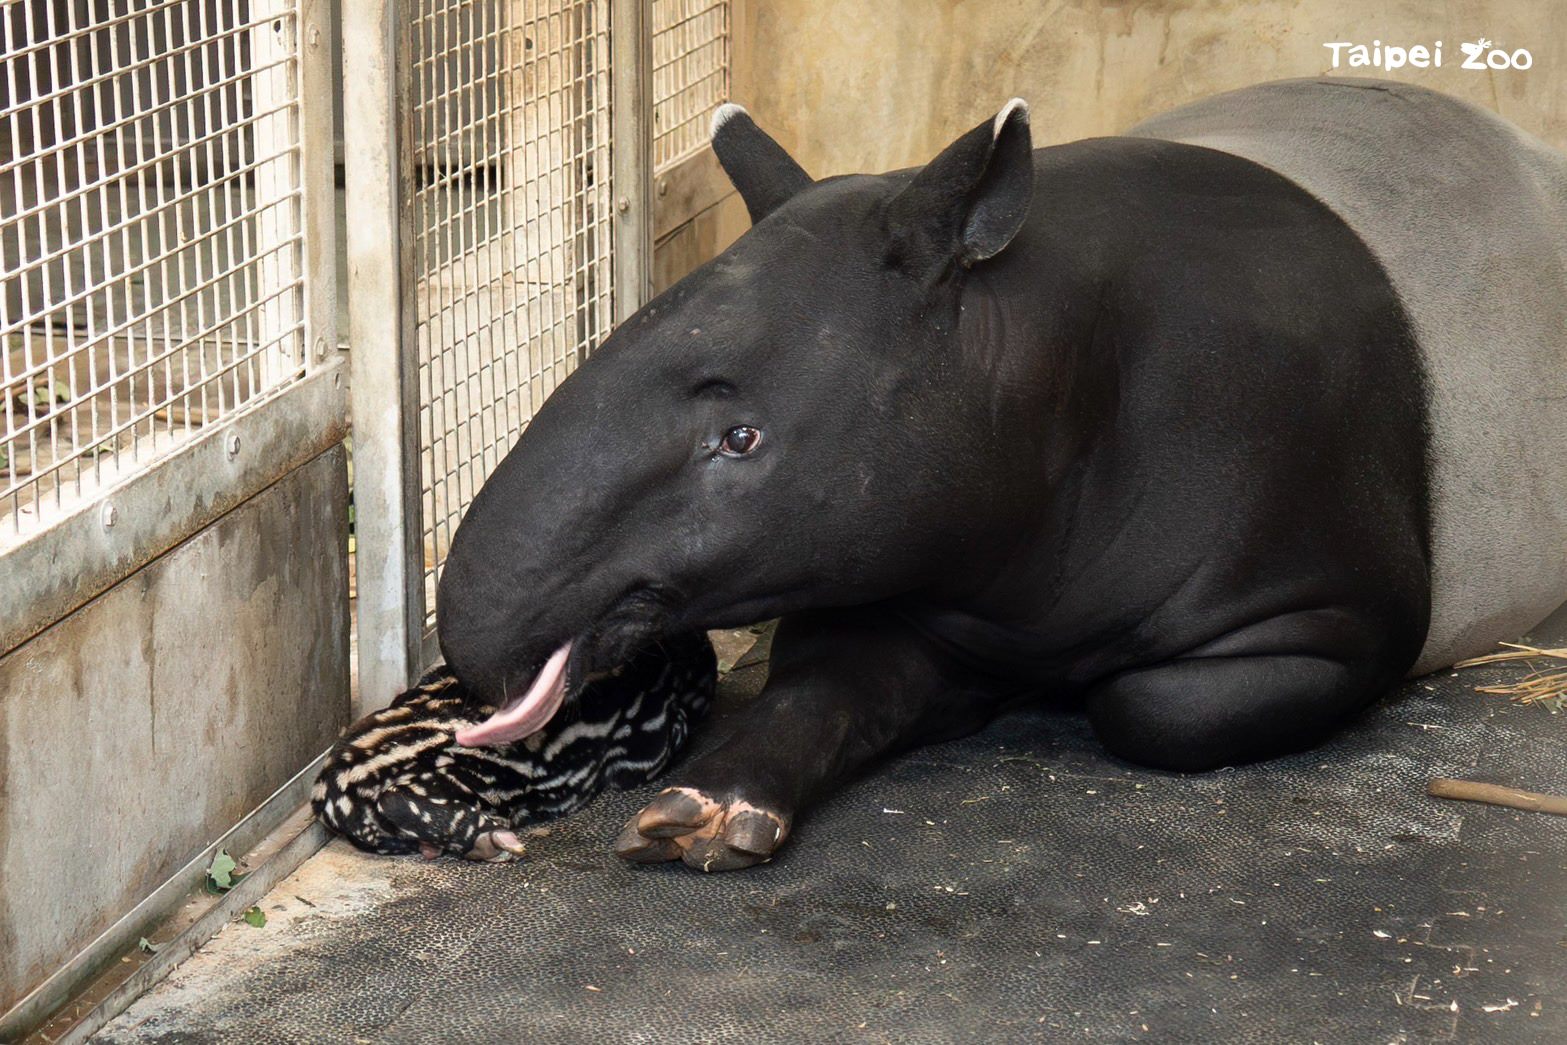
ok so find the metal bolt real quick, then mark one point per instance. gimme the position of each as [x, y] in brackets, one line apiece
[111, 515]
[623, 204]
[315, 36]
[232, 444]
[320, 347]
[663, 186]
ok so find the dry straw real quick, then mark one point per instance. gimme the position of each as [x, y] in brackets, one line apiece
[1546, 687]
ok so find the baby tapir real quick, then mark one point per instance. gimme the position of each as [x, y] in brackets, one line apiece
[1220, 428]
[398, 782]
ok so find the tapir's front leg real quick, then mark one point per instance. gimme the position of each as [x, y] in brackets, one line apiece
[846, 687]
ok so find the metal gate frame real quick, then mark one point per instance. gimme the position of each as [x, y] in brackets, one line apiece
[394, 643]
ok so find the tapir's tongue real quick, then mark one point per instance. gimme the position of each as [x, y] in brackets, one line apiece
[527, 714]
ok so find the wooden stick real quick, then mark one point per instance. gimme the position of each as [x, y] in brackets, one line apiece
[1496, 795]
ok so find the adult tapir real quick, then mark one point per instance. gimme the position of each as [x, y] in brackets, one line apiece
[1221, 427]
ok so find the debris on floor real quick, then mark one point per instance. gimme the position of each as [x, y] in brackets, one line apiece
[1544, 687]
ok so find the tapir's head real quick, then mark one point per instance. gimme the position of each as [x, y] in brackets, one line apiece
[797, 424]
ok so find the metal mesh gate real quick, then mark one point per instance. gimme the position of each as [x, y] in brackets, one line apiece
[500, 161]
[150, 235]
[690, 74]
[511, 220]
[499, 223]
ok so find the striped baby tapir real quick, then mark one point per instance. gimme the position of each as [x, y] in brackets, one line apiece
[398, 782]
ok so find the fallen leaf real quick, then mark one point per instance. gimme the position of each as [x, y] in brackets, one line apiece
[256, 917]
[220, 873]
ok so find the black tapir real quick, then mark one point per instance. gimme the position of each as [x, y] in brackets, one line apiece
[1221, 427]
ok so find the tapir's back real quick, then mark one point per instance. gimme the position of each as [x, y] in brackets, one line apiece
[1468, 216]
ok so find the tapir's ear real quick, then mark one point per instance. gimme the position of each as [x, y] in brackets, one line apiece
[968, 203]
[765, 175]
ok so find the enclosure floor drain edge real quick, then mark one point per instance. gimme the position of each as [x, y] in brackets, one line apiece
[106, 976]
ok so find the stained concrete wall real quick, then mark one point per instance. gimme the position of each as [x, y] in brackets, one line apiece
[871, 85]
[140, 728]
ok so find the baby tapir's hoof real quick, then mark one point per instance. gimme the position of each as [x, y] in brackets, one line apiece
[707, 832]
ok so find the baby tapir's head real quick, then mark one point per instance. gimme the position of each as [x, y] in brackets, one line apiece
[800, 423]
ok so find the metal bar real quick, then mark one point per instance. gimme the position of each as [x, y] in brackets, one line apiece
[385, 385]
[318, 181]
[167, 231]
[513, 221]
[79, 32]
[124, 173]
[117, 530]
[130, 119]
[631, 71]
[152, 261]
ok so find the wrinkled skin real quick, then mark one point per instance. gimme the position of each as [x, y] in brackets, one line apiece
[998, 454]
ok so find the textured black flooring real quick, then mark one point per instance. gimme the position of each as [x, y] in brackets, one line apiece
[1016, 885]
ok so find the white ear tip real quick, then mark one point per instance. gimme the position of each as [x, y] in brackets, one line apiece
[1016, 107]
[725, 113]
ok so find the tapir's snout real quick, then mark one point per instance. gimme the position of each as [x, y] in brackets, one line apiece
[476, 616]
[506, 600]
[535, 591]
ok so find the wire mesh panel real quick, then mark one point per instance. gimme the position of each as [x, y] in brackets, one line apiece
[150, 233]
[512, 228]
[690, 74]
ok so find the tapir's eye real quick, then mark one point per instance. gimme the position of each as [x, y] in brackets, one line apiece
[740, 440]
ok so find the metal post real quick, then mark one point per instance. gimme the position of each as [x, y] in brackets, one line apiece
[273, 38]
[384, 364]
[631, 70]
[318, 195]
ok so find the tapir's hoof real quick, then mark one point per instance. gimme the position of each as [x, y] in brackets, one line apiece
[493, 847]
[496, 847]
[702, 831]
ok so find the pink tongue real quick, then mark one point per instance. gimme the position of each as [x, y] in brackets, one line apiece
[527, 714]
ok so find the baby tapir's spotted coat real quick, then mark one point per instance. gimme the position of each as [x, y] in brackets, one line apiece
[398, 782]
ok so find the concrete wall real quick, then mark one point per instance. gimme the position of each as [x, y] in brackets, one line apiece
[870, 85]
[140, 728]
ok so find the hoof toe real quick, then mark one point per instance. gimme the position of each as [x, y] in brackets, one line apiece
[636, 847]
[496, 847]
[704, 832]
[753, 832]
[717, 855]
[675, 812]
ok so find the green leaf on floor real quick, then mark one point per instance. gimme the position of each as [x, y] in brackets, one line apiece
[256, 917]
[220, 873]
[146, 946]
